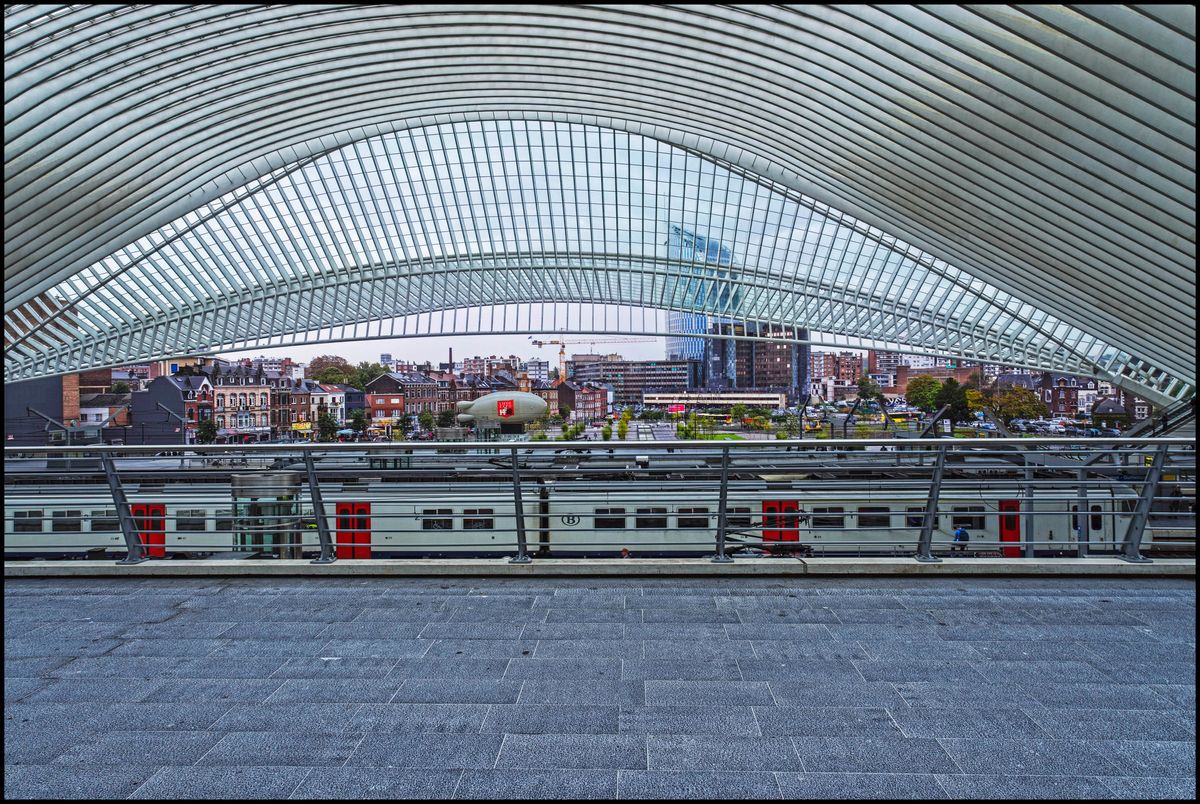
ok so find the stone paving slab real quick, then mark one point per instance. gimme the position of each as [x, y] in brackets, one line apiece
[632, 687]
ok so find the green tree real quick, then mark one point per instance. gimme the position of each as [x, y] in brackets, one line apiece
[363, 373]
[922, 391]
[622, 428]
[405, 423]
[564, 411]
[120, 387]
[333, 375]
[326, 427]
[445, 418]
[425, 419]
[1018, 402]
[868, 389]
[206, 432]
[738, 413]
[955, 396]
[606, 433]
[359, 422]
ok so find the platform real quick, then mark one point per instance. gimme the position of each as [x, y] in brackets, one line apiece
[633, 687]
[606, 567]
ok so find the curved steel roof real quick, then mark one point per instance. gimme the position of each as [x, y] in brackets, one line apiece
[1047, 154]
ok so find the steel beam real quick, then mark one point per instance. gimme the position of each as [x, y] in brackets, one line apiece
[925, 544]
[135, 550]
[1131, 548]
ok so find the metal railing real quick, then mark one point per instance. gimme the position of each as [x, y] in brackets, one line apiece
[532, 500]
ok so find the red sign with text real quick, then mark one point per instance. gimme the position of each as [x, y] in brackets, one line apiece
[504, 408]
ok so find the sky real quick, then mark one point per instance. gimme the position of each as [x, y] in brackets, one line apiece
[435, 349]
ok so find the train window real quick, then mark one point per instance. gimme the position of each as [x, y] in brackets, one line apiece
[66, 521]
[738, 517]
[478, 519]
[437, 519]
[105, 520]
[914, 517]
[611, 518]
[190, 519]
[966, 516]
[225, 520]
[874, 517]
[833, 517]
[693, 521]
[27, 521]
[651, 518]
[1009, 520]
[1097, 520]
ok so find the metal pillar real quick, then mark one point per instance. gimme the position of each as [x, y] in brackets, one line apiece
[1081, 546]
[1027, 509]
[522, 556]
[1131, 548]
[925, 544]
[135, 550]
[328, 555]
[722, 510]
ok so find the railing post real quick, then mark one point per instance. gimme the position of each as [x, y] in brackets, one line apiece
[722, 510]
[135, 550]
[522, 556]
[1131, 548]
[1027, 508]
[328, 555]
[1082, 536]
[925, 544]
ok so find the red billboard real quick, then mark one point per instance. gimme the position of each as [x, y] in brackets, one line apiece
[504, 408]
[675, 408]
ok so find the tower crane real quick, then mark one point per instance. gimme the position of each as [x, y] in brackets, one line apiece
[562, 347]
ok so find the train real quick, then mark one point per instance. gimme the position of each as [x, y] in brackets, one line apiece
[772, 514]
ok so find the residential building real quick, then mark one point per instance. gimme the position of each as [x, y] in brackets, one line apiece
[538, 370]
[549, 392]
[385, 409]
[242, 402]
[418, 391]
[109, 408]
[630, 378]
[846, 366]
[355, 400]
[189, 397]
[1060, 392]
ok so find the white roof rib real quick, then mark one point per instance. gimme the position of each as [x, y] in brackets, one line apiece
[186, 178]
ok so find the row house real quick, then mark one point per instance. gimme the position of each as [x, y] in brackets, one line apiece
[242, 403]
[187, 397]
[549, 392]
[1061, 393]
[418, 391]
[385, 408]
[586, 401]
[327, 398]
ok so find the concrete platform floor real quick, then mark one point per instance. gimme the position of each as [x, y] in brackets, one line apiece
[771, 688]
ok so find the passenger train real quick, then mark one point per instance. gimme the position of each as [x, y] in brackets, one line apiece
[565, 517]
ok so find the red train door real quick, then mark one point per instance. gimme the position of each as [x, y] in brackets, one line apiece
[362, 530]
[1010, 527]
[150, 519]
[345, 536]
[781, 521]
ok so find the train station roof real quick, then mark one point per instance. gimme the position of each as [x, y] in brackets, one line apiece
[1000, 184]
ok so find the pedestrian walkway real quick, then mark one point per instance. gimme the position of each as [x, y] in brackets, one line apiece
[611, 688]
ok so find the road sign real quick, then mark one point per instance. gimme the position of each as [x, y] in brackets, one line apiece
[947, 426]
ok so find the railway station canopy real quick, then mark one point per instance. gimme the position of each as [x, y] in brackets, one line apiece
[1009, 185]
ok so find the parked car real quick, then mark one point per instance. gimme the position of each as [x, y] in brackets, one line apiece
[1108, 432]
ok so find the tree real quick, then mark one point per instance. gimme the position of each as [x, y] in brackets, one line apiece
[120, 387]
[206, 432]
[606, 433]
[425, 419]
[922, 391]
[358, 421]
[319, 364]
[363, 373]
[975, 399]
[406, 422]
[326, 427]
[1018, 402]
[738, 413]
[955, 396]
[868, 389]
[445, 418]
[333, 375]
[565, 412]
[622, 428]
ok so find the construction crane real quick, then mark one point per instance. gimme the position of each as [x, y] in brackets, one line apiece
[562, 347]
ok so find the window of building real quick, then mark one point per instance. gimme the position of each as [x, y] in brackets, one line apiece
[610, 518]
[651, 518]
[105, 520]
[478, 519]
[437, 519]
[67, 521]
[265, 421]
[220, 401]
[968, 516]
[27, 521]
[874, 517]
[833, 517]
[190, 519]
[693, 517]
